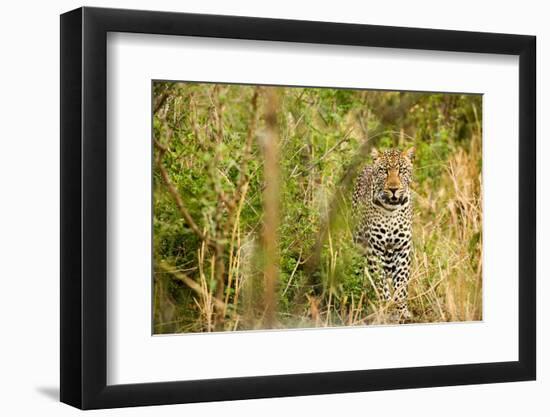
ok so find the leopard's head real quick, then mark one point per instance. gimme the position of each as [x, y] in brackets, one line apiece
[392, 175]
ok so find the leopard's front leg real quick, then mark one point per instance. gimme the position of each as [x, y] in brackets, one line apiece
[401, 272]
[377, 270]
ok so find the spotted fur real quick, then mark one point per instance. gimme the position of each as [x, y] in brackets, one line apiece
[383, 209]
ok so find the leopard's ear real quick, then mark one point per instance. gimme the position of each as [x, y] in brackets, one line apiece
[409, 153]
[374, 154]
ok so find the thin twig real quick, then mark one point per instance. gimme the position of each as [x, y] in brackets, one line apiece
[293, 272]
[176, 195]
[191, 283]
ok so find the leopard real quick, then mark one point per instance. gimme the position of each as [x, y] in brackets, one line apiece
[383, 210]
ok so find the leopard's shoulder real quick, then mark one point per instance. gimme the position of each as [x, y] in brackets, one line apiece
[362, 185]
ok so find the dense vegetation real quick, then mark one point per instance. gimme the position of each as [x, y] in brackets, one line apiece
[252, 189]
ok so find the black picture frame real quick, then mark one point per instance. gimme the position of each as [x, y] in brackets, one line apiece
[84, 207]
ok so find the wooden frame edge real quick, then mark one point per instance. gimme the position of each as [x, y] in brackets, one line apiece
[83, 208]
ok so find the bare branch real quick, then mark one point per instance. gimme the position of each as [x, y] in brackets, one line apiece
[175, 194]
[191, 283]
[160, 100]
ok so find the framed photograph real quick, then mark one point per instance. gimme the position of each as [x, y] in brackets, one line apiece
[258, 208]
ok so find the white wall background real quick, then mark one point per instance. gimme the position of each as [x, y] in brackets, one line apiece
[29, 225]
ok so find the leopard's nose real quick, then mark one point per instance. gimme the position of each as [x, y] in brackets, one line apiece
[393, 190]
